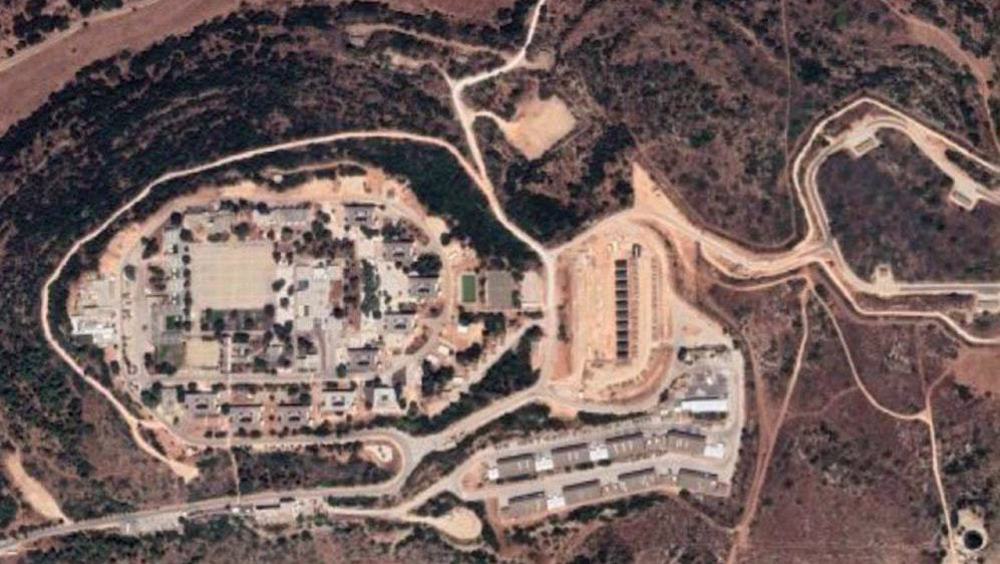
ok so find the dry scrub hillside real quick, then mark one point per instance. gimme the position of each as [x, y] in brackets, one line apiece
[713, 98]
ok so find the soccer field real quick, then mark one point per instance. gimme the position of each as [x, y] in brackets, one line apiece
[231, 275]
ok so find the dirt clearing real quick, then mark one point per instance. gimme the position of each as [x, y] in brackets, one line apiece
[976, 367]
[460, 524]
[34, 492]
[537, 126]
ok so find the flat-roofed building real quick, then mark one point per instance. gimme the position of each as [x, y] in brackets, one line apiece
[398, 250]
[599, 452]
[292, 216]
[338, 401]
[210, 222]
[555, 502]
[292, 416]
[543, 462]
[398, 321]
[638, 479]
[696, 481]
[512, 467]
[423, 286]
[525, 505]
[686, 442]
[360, 214]
[384, 400]
[571, 455]
[626, 446]
[201, 404]
[582, 492]
[95, 312]
[100, 326]
[245, 416]
[705, 406]
[361, 359]
[172, 243]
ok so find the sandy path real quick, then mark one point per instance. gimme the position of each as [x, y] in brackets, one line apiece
[33, 491]
[27, 79]
[460, 524]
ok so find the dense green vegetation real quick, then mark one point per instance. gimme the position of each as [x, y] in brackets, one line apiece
[316, 466]
[511, 373]
[447, 191]
[528, 419]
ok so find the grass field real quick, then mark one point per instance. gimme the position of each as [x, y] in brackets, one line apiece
[468, 288]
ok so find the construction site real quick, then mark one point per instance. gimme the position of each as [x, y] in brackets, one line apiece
[615, 289]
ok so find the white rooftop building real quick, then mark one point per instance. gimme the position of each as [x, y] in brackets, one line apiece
[705, 405]
[717, 451]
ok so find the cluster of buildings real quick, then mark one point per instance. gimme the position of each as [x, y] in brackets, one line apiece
[595, 490]
[628, 446]
[333, 300]
[689, 443]
[94, 313]
[250, 410]
[641, 454]
[223, 308]
[703, 381]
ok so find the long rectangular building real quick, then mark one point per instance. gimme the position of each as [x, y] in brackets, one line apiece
[571, 455]
[626, 446]
[582, 492]
[686, 442]
[524, 505]
[511, 467]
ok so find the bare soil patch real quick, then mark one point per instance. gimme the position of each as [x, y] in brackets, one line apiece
[978, 368]
[461, 524]
[538, 125]
[35, 494]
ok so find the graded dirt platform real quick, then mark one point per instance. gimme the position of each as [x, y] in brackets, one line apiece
[538, 125]
[617, 285]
